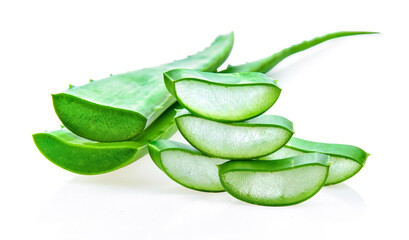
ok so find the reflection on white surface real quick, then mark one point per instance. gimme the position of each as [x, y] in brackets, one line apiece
[140, 200]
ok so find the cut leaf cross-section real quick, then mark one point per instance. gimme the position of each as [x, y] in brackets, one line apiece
[346, 160]
[225, 97]
[275, 183]
[186, 165]
[253, 138]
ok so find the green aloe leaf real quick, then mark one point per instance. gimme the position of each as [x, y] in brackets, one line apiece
[253, 138]
[186, 165]
[224, 97]
[83, 156]
[346, 160]
[275, 183]
[266, 64]
[122, 106]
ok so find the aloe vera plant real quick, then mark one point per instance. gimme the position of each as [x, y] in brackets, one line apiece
[122, 106]
[83, 156]
[275, 183]
[96, 159]
[186, 165]
[266, 64]
[222, 96]
[346, 160]
[253, 138]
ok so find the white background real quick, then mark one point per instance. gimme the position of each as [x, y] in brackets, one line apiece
[352, 90]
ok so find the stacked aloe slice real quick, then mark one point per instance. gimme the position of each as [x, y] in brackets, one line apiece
[237, 148]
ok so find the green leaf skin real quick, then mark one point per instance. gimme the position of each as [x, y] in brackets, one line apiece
[253, 138]
[281, 182]
[266, 64]
[122, 106]
[347, 160]
[224, 97]
[186, 165]
[83, 156]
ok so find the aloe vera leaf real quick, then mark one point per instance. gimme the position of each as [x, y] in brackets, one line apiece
[186, 165]
[275, 183]
[224, 97]
[346, 160]
[253, 138]
[266, 64]
[122, 106]
[83, 156]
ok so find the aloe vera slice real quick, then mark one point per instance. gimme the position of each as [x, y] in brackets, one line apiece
[266, 64]
[239, 140]
[83, 156]
[346, 160]
[122, 106]
[224, 97]
[186, 165]
[275, 183]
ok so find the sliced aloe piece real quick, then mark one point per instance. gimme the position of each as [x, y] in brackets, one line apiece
[266, 64]
[186, 165]
[275, 183]
[122, 106]
[83, 156]
[239, 140]
[346, 160]
[225, 97]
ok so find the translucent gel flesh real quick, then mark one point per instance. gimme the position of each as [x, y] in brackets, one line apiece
[229, 141]
[227, 103]
[275, 188]
[340, 169]
[194, 171]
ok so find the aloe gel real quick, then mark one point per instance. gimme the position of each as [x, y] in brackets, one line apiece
[186, 165]
[346, 160]
[281, 182]
[253, 138]
[226, 97]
